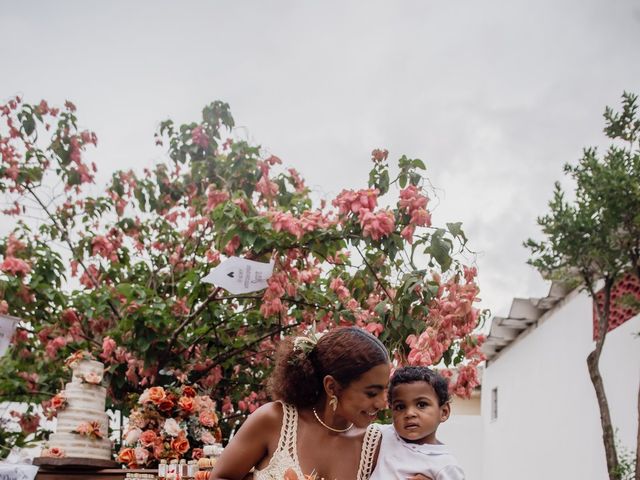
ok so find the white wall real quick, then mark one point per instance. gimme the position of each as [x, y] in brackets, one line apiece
[548, 424]
[463, 435]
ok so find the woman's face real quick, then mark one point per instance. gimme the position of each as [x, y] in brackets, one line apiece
[360, 402]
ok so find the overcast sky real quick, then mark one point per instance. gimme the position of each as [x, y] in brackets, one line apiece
[493, 95]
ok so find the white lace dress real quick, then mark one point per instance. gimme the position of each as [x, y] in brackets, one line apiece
[286, 455]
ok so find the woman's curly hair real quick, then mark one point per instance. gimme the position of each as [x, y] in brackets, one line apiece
[344, 353]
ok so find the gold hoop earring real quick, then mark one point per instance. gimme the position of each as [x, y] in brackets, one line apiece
[334, 402]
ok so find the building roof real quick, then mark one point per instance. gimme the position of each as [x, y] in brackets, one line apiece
[524, 313]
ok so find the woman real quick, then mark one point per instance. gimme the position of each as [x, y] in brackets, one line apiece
[327, 394]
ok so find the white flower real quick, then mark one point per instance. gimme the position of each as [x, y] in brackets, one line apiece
[142, 454]
[207, 438]
[171, 427]
[132, 436]
[144, 397]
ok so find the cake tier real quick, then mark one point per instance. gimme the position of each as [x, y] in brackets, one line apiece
[85, 396]
[83, 367]
[70, 418]
[81, 446]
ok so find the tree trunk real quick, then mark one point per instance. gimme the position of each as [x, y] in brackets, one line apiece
[608, 436]
[593, 364]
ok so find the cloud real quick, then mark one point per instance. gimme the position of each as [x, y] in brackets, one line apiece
[494, 96]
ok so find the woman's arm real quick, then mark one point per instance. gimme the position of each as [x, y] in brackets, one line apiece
[250, 444]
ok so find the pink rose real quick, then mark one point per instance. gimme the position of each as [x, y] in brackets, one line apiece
[148, 438]
[208, 419]
[92, 378]
[197, 453]
[53, 452]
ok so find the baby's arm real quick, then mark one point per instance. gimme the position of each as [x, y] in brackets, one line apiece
[450, 472]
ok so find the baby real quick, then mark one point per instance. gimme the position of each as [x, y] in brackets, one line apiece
[419, 399]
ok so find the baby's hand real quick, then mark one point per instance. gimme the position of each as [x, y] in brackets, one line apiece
[419, 476]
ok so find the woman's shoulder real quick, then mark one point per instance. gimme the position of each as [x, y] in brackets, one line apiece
[268, 415]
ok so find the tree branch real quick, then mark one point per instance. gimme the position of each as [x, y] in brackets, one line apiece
[65, 238]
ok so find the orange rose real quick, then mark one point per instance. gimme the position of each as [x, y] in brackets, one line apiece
[148, 438]
[180, 444]
[188, 391]
[186, 404]
[197, 454]
[128, 456]
[156, 394]
[202, 475]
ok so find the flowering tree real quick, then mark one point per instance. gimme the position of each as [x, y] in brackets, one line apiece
[119, 273]
[595, 240]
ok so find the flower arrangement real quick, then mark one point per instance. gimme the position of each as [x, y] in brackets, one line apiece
[89, 429]
[169, 423]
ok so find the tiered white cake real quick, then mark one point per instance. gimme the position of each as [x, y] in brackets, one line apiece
[85, 404]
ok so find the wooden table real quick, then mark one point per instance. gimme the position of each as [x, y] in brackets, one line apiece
[85, 474]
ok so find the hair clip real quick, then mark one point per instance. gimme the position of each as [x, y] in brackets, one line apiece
[305, 343]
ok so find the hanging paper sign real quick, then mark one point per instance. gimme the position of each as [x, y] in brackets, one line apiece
[238, 275]
[7, 328]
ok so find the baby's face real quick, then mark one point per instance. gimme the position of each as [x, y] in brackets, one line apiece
[416, 413]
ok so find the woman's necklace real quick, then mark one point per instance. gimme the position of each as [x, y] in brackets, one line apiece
[337, 430]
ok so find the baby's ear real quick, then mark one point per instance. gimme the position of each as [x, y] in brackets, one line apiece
[445, 411]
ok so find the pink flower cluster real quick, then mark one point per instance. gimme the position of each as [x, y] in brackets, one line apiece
[451, 316]
[350, 201]
[308, 221]
[28, 422]
[379, 156]
[414, 204]
[427, 349]
[277, 285]
[199, 137]
[377, 225]
[215, 197]
[267, 188]
[15, 266]
[362, 203]
[464, 380]
[107, 246]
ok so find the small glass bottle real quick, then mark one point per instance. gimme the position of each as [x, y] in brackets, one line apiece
[162, 470]
[192, 468]
[182, 469]
[172, 470]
